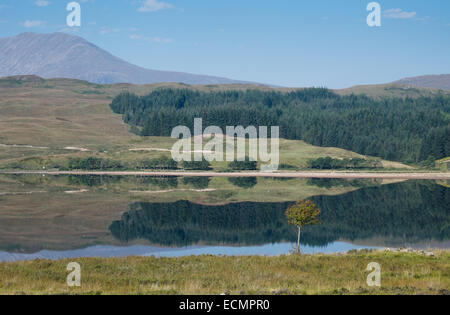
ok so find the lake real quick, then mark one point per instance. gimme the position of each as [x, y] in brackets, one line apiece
[56, 217]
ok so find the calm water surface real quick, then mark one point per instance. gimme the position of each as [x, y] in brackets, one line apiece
[87, 216]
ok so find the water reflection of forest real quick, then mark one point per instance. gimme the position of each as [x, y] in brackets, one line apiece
[408, 212]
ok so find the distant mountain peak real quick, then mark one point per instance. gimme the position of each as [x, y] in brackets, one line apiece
[61, 55]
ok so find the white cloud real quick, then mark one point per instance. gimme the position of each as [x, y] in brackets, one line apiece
[162, 40]
[69, 30]
[399, 14]
[152, 39]
[424, 19]
[154, 5]
[29, 23]
[135, 37]
[108, 30]
[42, 3]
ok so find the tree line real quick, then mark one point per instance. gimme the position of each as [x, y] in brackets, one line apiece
[401, 129]
[328, 163]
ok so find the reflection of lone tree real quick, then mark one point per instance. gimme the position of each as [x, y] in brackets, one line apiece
[301, 214]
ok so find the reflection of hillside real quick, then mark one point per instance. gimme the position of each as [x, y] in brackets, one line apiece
[53, 219]
[407, 212]
[402, 213]
[220, 189]
[184, 223]
[36, 212]
[445, 183]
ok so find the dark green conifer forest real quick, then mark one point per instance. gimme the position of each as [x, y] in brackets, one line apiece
[401, 129]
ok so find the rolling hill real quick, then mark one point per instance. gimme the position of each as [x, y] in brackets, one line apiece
[53, 119]
[428, 81]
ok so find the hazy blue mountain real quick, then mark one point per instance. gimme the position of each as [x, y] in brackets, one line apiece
[61, 55]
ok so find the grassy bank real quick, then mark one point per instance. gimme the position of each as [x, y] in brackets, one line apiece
[401, 273]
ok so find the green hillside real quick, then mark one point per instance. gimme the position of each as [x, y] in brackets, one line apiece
[48, 122]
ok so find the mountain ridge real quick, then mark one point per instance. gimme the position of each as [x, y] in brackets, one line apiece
[375, 91]
[436, 81]
[60, 55]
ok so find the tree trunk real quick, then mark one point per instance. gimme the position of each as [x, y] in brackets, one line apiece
[298, 240]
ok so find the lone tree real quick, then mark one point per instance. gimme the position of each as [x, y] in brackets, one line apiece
[301, 214]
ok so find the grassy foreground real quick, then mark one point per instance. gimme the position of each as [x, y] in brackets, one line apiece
[401, 273]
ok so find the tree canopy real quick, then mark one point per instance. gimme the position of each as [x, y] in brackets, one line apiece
[303, 213]
[402, 129]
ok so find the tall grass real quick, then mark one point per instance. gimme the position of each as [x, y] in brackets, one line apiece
[401, 273]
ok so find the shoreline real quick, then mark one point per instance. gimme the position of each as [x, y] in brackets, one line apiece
[339, 175]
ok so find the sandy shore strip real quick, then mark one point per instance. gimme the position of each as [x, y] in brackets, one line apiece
[350, 175]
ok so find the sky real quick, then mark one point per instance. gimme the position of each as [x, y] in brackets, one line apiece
[293, 43]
